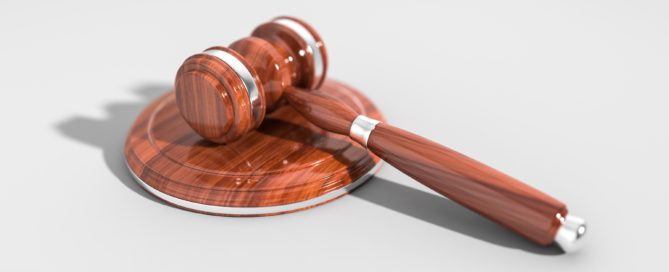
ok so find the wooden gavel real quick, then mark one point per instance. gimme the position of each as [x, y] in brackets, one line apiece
[225, 92]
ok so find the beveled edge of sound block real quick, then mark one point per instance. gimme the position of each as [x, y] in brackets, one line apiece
[256, 211]
[214, 191]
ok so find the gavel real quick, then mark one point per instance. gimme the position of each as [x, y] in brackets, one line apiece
[224, 93]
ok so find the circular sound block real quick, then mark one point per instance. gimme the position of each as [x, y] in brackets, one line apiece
[286, 165]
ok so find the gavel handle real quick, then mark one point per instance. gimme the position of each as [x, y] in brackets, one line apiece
[470, 183]
[501, 198]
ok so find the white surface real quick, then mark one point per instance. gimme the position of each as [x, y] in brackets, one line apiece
[570, 96]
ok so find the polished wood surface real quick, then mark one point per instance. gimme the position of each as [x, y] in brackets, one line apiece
[212, 98]
[466, 181]
[278, 59]
[286, 160]
[318, 106]
[295, 51]
[272, 68]
[470, 183]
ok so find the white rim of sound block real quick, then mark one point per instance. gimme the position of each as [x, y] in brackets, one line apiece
[256, 211]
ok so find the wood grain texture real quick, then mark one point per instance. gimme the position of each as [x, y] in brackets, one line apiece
[466, 181]
[286, 160]
[271, 67]
[294, 51]
[320, 44]
[470, 183]
[213, 100]
[322, 110]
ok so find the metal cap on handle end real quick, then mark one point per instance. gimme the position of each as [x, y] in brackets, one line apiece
[571, 233]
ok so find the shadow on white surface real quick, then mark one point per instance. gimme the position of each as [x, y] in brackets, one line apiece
[109, 134]
[442, 212]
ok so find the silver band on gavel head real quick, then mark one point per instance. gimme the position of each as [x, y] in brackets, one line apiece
[244, 74]
[361, 128]
[312, 45]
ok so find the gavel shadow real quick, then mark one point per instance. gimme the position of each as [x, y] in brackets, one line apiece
[447, 214]
[418, 204]
[109, 134]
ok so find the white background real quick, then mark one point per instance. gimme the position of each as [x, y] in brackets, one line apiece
[569, 96]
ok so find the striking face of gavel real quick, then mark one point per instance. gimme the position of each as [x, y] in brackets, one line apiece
[225, 92]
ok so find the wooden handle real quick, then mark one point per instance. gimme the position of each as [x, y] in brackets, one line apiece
[470, 183]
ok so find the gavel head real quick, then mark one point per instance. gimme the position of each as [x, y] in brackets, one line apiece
[223, 93]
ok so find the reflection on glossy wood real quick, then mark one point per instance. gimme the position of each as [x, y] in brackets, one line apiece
[286, 160]
[213, 99]
[470, 183]
[295, 51]
[466, 181]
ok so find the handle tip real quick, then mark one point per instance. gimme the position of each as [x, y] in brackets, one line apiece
[571, 233]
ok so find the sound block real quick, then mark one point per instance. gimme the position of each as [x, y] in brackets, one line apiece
[286, 165]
